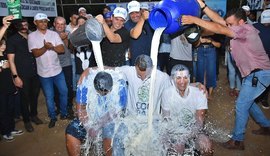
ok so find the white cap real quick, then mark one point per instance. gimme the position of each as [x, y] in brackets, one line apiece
[81, 9]
[144, 5]
[265, 16]
[246, 8]
[41, 16]
[120, 12]
[133, 6]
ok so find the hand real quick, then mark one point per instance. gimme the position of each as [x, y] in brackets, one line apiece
[145, 14]
[187, 19]
[48, 45]
[205, 144]
[100, 19]
[6, 20]
[63, 35]
[18, 82]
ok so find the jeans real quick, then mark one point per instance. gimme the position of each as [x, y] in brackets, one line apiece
[233, 73]
[68, 78]
[206, 64]
[246, 106]
[47, 86]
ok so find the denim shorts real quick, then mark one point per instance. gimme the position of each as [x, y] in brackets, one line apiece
[76, 129]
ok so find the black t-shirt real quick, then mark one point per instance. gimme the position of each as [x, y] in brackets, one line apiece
[24, 60]
[6, 83]
[113, 54]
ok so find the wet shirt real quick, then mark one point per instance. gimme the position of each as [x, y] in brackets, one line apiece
[48, 64]
[113, 54]
[18, 45]
[183, 109]
[247, 49]
[138, 90]
[99, 105]
[141, 45]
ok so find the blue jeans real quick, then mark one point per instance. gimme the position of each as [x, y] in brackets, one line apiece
[48, 90]
[206, 63]
[234, 75]
[246, 106]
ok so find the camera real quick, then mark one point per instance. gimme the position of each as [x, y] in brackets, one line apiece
[254, 81]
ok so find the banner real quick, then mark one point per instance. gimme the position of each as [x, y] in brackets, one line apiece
[31, 7]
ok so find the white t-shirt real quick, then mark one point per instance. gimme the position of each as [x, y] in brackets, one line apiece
[138, 90]
[183, 109]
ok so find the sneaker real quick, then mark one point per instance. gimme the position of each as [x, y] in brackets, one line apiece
[17, 132]
[265, 105]
[8, 138]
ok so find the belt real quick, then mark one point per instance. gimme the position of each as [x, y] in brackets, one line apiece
[255, 70]
[206, 45]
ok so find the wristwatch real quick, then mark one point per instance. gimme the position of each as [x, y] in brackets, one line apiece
[14, 76]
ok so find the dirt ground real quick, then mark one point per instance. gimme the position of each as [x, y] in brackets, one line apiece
[51, 142]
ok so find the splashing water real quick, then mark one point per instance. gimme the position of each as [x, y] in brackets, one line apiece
[98, 55]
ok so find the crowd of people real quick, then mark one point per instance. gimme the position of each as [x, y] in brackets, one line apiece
[46, 59]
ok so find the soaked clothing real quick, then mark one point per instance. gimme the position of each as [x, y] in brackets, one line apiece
[113, 54]
[138, 91]
[98, 105]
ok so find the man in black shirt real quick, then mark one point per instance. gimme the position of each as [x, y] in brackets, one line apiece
[116, 43]
[24, 71]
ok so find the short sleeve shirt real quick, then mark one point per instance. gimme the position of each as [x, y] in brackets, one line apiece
[183, 109]
[141, 45]
[113, 54]
[48, 64]
[247, 49]
[17, 44]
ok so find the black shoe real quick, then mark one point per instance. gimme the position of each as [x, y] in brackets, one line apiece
[36, 120]
[28, 126]
[52, 123]
[63, 117]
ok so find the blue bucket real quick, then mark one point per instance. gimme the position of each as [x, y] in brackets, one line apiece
[167, 13]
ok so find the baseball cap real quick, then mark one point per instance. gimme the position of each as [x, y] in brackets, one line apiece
[41, 16]
[265, 16]
[246, 7]
[81, 9]
[144, 5]
[108, 14]
[120, 12]
[133, 6]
